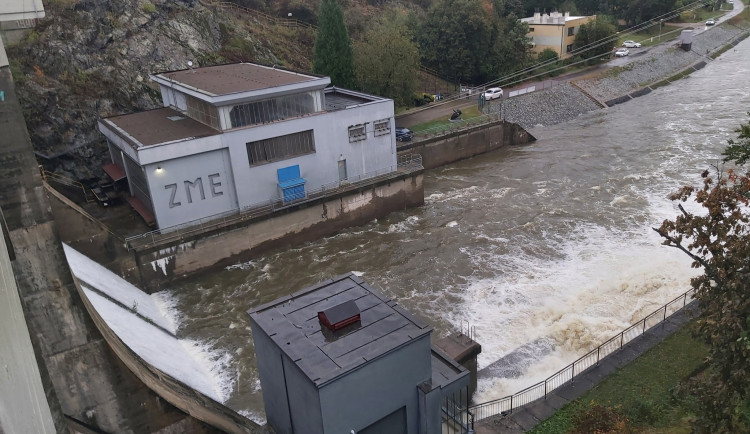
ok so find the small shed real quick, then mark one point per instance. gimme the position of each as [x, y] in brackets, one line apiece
[340, 357]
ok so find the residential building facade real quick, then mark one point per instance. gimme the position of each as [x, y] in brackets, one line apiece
[239, 136]
[555, 30]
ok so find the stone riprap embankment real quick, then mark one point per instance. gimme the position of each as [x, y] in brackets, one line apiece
[547, 107]
[564, 102]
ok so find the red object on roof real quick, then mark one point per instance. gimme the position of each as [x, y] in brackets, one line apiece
[340, 316]
[141, 209]
[115, 171]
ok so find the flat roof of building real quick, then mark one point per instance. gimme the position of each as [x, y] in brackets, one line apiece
[292, 323]
[550, 20]
[338, 99]
[235, 78]
[161, 125]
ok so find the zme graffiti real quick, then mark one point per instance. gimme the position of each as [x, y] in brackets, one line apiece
[193, 189]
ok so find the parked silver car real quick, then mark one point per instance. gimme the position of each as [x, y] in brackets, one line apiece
[631, 44]
[493, 93]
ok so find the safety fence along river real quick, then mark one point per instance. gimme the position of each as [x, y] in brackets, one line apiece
[540, 390]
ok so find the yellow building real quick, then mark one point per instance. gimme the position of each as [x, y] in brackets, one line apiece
[555, 30]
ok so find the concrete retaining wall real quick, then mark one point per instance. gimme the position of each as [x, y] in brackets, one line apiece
[467, 143]
[167, 263]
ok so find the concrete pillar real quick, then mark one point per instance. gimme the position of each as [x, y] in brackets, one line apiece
[464, 350]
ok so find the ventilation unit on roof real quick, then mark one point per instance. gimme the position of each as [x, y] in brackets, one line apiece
[340, 316]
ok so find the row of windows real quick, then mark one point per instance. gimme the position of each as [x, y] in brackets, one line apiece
[279, 148]
[270, 110]
[202, 111]
[359, 132]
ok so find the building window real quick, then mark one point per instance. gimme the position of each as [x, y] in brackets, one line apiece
[571, 31]
[274, 109]
[202, 111]
[280, 148]
[357, 133]
[382, 127]
[531, 29]
[569, 48]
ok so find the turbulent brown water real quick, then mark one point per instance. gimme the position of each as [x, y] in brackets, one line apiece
[546, 249]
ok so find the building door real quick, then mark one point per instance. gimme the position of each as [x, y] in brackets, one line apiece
[342, 170]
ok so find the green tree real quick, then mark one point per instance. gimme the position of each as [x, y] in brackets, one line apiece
[719, 243]
[547, 55]
[569, 6]
[739, 151]
[639, 11]
[386, 60]
[595, 38]
[512, 50]
[457, 37]
[333, 51]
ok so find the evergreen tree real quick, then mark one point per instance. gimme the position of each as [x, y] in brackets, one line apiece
[333, 51]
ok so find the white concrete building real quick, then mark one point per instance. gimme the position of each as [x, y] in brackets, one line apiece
[240, 136]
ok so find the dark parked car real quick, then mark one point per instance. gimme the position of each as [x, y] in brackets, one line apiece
[404, 134]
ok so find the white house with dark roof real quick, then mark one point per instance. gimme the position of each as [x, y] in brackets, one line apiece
[240, 136]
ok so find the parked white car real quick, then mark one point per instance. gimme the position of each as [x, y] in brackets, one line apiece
[493, 93]
[622, 52]
[631, 44]
[710, 22]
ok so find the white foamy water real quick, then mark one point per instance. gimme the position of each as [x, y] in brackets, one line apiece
[546, 249]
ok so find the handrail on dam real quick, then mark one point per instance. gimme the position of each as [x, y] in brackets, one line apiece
[567, 374]
[406, 164]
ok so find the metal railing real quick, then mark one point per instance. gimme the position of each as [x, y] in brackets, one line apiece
[405, 164]
[53, 178]
[567, 374]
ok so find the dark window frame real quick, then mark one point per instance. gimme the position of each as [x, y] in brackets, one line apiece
[280, 148]
[357, 133]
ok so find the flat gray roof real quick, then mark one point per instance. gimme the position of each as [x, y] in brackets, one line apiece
[338, 100]
[236, 77]
[162, 125]
[292, 323]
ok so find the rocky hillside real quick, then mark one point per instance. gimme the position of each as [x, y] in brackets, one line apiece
[92, 58]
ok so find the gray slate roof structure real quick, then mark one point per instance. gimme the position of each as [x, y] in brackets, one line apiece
[292, 323]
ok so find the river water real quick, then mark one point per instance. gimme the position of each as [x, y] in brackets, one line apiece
[546, 249]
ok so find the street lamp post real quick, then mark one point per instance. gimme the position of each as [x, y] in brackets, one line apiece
[660, 23]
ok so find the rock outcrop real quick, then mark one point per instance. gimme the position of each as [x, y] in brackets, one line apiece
[92, 59]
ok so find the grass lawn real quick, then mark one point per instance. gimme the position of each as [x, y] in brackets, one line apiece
[700, 15]
[469, 113]
[642, 391]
